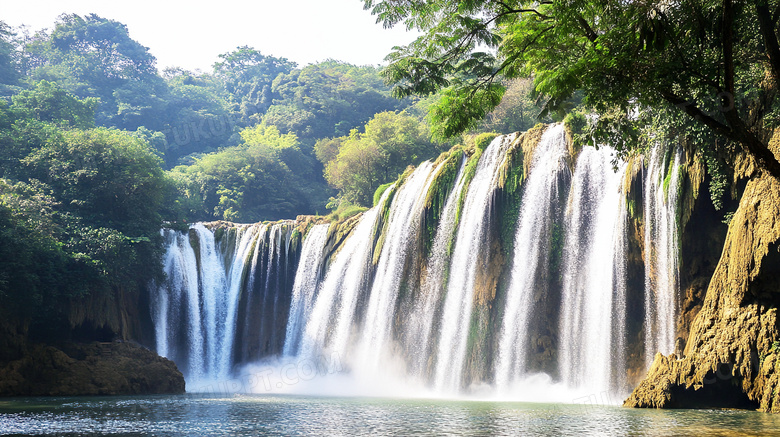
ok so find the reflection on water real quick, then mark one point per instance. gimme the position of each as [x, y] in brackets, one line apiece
[295, 415]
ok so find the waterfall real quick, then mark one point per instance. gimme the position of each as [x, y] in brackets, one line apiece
[178, 304]
[335, 305]
[305, 287]
[235, 275]
[534, 232]
[662, 251]
[402, 228]
[593, 309]
[197, 310]
[421, 321]
[402, 292]
[248, 324]
[212, 282]
[456, 313]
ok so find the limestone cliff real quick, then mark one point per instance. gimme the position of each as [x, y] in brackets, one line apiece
[731, 358]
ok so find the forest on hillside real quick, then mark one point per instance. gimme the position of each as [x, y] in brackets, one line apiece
[99, 149]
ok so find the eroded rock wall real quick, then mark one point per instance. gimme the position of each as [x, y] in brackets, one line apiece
[731, 358]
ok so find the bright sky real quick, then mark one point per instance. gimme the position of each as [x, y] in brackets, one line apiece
[192, 34]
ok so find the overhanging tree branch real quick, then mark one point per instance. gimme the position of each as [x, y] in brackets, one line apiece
[750, 143]
[589, 33]
[766, 23]
[508, 10]
[694, 111]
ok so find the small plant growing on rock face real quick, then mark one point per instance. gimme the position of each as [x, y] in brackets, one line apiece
[727, 219]
[772, 350]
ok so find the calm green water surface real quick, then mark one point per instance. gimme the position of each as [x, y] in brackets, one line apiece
[255, 415]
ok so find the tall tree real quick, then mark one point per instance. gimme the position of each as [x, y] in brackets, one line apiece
[198, 118]
[9, 73]
[48, 102]
[247, 75]
[328, 99]
[265, 178]
[93, 56]
[357, 164]
[357, 171]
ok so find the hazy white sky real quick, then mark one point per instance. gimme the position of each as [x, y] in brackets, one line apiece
[192, 34]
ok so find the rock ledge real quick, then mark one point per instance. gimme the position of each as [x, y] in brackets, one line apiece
[76, 369]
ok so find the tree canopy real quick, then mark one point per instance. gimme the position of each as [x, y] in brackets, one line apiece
[80, 207]
[718, 62]
[328, 99]
[93, 56]
[48, 102]
[98, 150]
[267, 177]
[359, 163]
[248, 75]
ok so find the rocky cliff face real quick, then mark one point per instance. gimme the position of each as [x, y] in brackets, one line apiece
[89, 369]
[122, 314]
[63, 358]
[732, 354]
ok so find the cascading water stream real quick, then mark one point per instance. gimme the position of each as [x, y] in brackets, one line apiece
[269, 295]
[208, 302]
[235, 277]
[535, 226]
[258, 257]
[336, 301]
[421, 322]
[363, 291]
[212, 282]
[593, 309]
[456, 313]
[662, 249]
[265, 294]
[403, 227]
[307, 278]
[182, 288]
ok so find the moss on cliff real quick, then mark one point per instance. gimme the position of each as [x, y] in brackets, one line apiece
[379, 191]
[449, 163]
[380, 232]
[468, 175]
[494, 268]
[511, 175]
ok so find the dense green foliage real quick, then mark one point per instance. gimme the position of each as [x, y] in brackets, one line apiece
[247, 76]
[35, 272]
[80, 207]
[199, 122]
[517, 111]
[359, 163]
[716, 62]
[48, 103]
[95, 57]
[328, 99]
[265, 178]
[98, 150]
